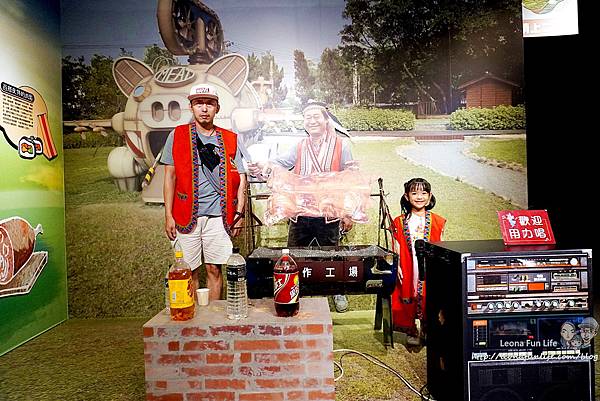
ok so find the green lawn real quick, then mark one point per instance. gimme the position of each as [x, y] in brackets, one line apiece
[470, 212]
[117, 253]
[502, 150]
[79, 360]
[87, 180]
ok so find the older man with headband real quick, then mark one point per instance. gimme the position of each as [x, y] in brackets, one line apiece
[322, 151]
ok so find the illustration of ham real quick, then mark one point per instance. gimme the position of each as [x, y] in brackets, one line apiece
[17, 242]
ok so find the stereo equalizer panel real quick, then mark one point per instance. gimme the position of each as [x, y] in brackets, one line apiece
[527, 283]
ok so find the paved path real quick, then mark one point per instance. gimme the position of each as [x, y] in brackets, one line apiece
[447, 158]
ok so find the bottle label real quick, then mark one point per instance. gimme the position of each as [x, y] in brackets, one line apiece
[236, 273]
[180, 293]
[286, 288]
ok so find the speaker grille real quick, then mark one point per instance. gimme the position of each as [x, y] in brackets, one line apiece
[530, 381]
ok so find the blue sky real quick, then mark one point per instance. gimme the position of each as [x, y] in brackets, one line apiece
[103, 27]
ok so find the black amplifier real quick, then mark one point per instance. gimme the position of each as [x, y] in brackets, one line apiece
[521, 318]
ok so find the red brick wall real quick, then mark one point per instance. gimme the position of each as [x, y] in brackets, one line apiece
[262, 357]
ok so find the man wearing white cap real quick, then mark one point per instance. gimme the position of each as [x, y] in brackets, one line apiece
[204, 188]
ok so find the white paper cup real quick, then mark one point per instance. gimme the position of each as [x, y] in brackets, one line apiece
[202, 294]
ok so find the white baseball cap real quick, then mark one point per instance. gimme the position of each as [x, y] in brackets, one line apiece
[203, 90]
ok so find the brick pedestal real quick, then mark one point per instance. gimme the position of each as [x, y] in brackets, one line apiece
[262, 357]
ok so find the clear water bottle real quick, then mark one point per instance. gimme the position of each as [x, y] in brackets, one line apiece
[237, 297]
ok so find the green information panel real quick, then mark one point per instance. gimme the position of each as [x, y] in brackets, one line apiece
[33, 288]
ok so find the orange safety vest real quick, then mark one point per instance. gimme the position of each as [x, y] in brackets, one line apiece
[187, 183]
[403, 315]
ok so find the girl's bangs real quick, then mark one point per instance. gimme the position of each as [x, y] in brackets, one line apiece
[418, 185]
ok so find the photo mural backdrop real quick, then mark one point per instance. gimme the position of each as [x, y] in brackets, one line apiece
[425, 89]
[33, 290]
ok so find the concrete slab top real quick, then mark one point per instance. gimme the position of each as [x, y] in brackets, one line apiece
[314, 310]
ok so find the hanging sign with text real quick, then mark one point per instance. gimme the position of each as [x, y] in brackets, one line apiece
[525, 227]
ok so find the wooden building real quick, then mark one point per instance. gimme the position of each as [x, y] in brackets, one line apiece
[488, 91]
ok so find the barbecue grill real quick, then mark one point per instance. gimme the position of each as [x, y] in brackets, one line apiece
[356, 269]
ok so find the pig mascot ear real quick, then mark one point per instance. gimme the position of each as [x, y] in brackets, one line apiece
[232, 69]
[128, 72]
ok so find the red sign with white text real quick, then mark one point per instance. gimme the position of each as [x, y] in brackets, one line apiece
[525, 227]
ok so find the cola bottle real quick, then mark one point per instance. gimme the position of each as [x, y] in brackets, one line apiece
[286, 283]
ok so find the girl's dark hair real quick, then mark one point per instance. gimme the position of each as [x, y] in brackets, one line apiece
[419, 184]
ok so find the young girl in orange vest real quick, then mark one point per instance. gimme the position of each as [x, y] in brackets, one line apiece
[416, 222]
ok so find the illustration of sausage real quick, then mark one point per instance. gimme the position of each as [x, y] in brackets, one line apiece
[17, 242]
[49, 149]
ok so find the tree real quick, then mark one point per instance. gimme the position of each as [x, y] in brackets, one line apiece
[491, 42]
[102, 95]
[254, 67]
[74, 73]
[305, 76]
[156, 57]
[334, 77]
[266, 67]
[424, 47]
[125, 53]
[396, 38]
